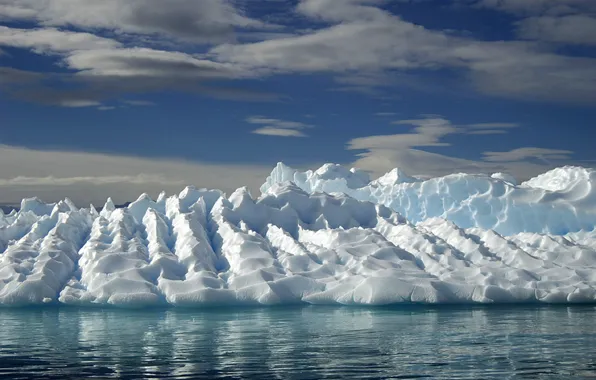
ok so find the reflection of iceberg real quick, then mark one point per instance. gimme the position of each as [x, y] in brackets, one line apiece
[475, 240]
[314, 342]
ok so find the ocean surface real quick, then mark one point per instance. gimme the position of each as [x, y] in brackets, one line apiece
[445, 342]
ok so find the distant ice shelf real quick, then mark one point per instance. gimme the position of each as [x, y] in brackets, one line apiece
[329, 236]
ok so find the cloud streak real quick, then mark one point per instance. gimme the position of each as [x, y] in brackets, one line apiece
[385, 152]
[546, 155]
[205, 21]
[51, 40]
[557, 21]
[92, 177]
[277, 127]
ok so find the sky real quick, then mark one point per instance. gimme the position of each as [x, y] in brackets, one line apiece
[116, 98]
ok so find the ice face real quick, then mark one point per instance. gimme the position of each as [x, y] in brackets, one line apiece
[294, 244]
[557, 202]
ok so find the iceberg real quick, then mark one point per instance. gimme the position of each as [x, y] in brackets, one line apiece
[557, 202]
[330, 236]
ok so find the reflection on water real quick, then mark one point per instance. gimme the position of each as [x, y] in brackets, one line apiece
[300, 342]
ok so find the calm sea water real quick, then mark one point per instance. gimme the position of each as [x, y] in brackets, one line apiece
[300, 343]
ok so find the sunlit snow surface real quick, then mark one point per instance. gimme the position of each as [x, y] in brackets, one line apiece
[557, 202]
[462, 238]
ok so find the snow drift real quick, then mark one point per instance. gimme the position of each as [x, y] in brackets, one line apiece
[326, 237]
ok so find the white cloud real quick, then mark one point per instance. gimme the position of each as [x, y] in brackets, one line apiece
[577, 29]
[79, 103]
[281, 132]
[144, 62]
[427, 132]
[90, 177]
[346, 10]
[378, 42]
[427, 164]
[487, 132]
[102, 69]
[493, 125]
[383, 153]
[490, 128]
[12, 11]
[69, 181]
[533, 7]
[545, 155]
[558, 21]
[139, 103]
[277, 127]
[51, 40]
[361, 44]
[204, 21]
[351, 46]
[376, 84]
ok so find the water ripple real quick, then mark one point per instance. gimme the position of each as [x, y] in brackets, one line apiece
[300, 343]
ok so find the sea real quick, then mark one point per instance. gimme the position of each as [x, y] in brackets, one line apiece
[300, 342]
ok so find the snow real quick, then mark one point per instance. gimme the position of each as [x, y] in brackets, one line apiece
[331, 236]
[505, 177]
[557, 202]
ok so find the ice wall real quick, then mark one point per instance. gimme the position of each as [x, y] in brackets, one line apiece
[560, 201]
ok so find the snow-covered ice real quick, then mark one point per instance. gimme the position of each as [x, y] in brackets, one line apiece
[557, 202]
[331, 236]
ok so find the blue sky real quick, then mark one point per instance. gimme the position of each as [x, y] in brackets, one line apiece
[118, 98]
